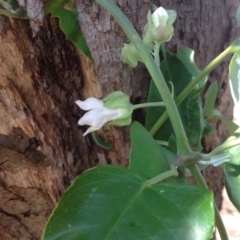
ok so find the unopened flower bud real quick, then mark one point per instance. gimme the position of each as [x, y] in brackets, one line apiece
[129, 55]
[159, 28]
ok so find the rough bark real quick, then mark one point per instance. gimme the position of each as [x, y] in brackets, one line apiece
[41, 147]
[42, 150]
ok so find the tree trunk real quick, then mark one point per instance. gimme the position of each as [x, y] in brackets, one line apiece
[41, 147]
[42, 150]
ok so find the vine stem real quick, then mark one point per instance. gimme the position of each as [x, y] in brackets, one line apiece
[191, 85]
[155, 73]
[162, 176]
[201, 182]
[156, 54]
[152, 104]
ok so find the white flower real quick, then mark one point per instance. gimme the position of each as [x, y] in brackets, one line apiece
[159, 28]
[115, 108]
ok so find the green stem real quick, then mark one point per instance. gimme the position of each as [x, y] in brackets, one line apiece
[163, 143]
[201, 182]
[152, 104]
[155, 73]
[191, 85]
[156, 54]
[219, 223]
[162, 176]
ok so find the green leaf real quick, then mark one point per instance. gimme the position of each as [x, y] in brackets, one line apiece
[232, 176]
[179, 69]
[210, 99]
[147, 157]
[186, 56]
[68, 24]
[234, 78]
[112, 202]
[53, 4]
[194, 122]
[172, 143]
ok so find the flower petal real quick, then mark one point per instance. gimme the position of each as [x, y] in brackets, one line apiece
[92, 118]
[91, 129]
[90, 103]
[160, 17]
[172, 15]
[99, 114]
[98, 117]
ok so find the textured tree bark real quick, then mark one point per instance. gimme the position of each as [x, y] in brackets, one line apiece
[41, 147]
[42, 150]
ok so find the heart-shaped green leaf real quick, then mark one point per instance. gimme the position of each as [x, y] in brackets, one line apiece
[112, 202]
[179, 69]
[147, 157]
[68, 25]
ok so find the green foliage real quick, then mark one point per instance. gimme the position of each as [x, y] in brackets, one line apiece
[234, 78]
[68, 25]
[112, 202]
[232, 176]
[232, 168]
[132, 207]
[210, 99]
[147, 157]
[210, 112]
[180, 69]
[51, 5]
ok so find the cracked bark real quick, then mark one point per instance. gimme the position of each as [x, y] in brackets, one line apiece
[40, 78]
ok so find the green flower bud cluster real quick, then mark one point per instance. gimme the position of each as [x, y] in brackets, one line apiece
[158, 30]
